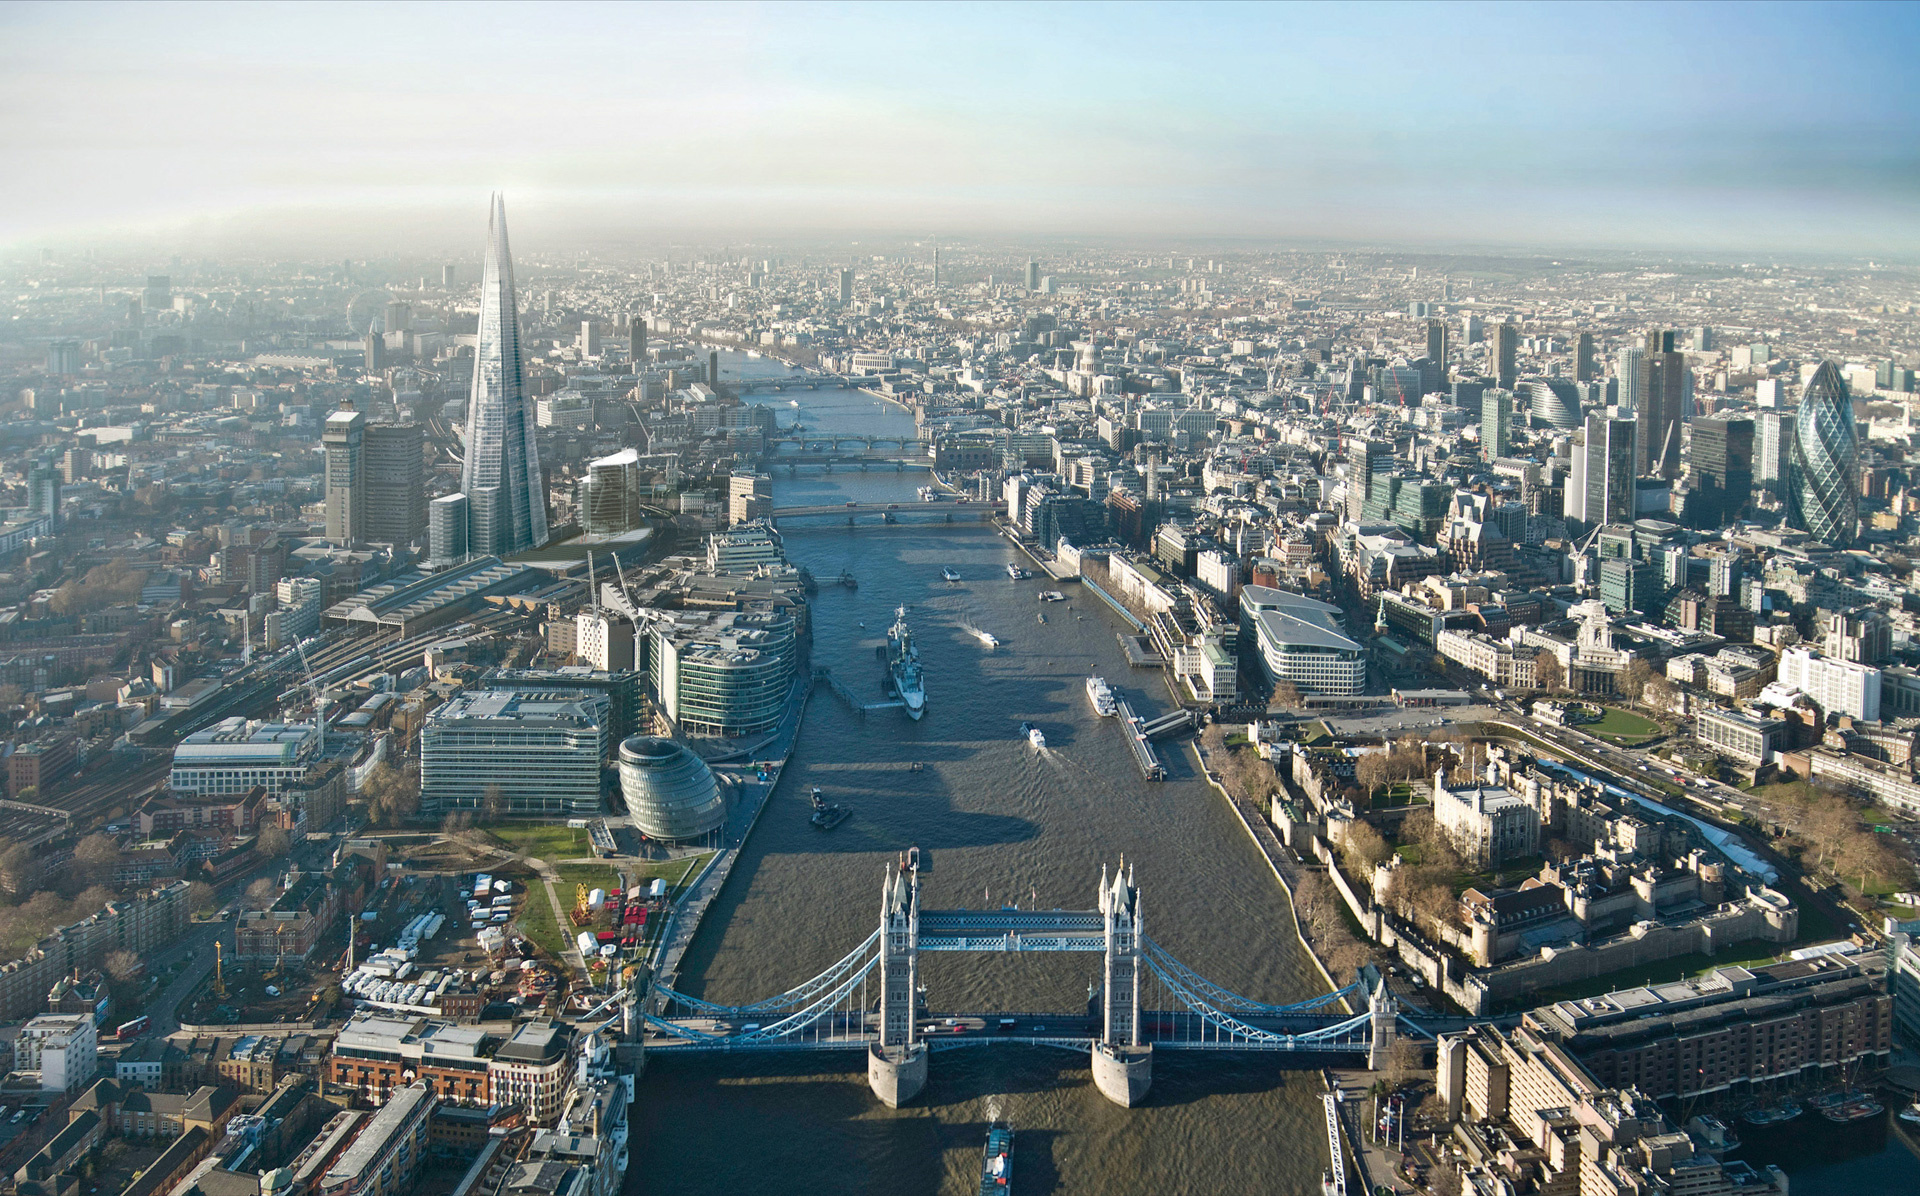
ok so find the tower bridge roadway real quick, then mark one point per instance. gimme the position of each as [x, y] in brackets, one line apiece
[1145, 999]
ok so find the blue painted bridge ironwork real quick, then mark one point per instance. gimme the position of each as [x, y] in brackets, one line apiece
[1146, 1000]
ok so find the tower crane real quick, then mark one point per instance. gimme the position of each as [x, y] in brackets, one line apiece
[319, 699]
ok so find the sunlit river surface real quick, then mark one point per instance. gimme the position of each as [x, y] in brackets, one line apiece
[997, 822]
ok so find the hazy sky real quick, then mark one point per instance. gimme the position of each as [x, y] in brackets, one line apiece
[364, 128]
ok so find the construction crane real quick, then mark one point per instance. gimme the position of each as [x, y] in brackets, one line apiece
[319, 699]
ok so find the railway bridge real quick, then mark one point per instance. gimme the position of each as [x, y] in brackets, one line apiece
[1147, 1000]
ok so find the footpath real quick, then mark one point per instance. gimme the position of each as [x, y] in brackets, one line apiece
[753, 794]
[1373, 1165]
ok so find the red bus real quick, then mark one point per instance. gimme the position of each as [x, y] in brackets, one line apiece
[134, 1028]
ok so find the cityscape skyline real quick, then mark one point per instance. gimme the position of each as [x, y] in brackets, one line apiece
[1213, 123]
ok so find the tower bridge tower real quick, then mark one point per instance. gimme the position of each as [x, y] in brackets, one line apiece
[1122, 1066]
[897, 1064]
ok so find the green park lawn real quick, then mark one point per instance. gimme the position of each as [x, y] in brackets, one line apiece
[542, 841]
[1622, 728]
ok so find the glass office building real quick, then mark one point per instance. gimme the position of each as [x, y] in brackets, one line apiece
[1823, 490]
[506, 498]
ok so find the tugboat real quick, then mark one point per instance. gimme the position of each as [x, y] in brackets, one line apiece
[996, 1162]
[846, 579]
[1101, 696]
[949, 574]
[1035, 736]
[1052, 596]
[1016, 573]
[903, 666]
[826, 817]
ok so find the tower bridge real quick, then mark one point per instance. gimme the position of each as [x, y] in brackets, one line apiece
[1145, 1000]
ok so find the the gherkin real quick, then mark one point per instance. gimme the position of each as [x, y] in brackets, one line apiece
[1823, 488]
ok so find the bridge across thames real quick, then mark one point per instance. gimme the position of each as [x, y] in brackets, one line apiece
[871, 1000]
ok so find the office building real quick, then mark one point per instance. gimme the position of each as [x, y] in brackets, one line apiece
[637, 340]
[669, 791]
[345, 443]
[234, 755]
[1720, 460]
[62, 1047]
[43, 493]
[1300, 642]
[1437, 347]
[1748, 738]
[723, 673]
[158, 295]
[1583, 358]
[1627, 584]
[300, 600]
[1664, 392]
[447, 529]
[1554, 403]
[1496, 423]
[749, 497]
[501, 477]
[1609, 469]
[1837, 686]
[1033, 275]
[1471, 332]
[1823, 489]
[846, 286]
[374, 349]
[609, 496]
[589, 342]
[1505, 351]
[531, 1068]
[448, 275]
[394, 484]
[386, 1157]
[1772, 449]
[603, 640]
[1864, 636]
[744, 549]
[543, 749]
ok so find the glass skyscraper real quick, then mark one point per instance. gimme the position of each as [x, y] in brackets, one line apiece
[506, 493]
[1823, 485]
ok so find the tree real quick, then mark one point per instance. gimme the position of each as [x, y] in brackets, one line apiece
[1659, 692]
[19, 870]
[1363, 849]
[1372, 771]
[1214, 740]
[274, 842]
[1633, 683]
[202, 897]
[392, 796]
[95, 858]
[260, 893]
[123, 966]
[493, 803]
[1285, 695]
[1547, 673]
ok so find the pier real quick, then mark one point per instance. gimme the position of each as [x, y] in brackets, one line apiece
[1143, 754]
[840, 690]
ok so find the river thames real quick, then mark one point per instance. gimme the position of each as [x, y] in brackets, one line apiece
[999, 823]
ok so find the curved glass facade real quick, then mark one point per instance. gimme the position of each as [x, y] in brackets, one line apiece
[500, 474]
[670, 792]
[1823, 490]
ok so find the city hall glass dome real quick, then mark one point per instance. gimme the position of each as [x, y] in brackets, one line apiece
[670, 792]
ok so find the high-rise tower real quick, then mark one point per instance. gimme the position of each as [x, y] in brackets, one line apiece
[1506, 348]
[344, 439]
[506, 502]
[1823, 484]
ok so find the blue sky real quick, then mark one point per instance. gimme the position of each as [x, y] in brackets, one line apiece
[1714, 127]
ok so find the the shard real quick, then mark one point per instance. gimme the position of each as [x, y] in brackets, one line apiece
[1823, 484]
[506, 494]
